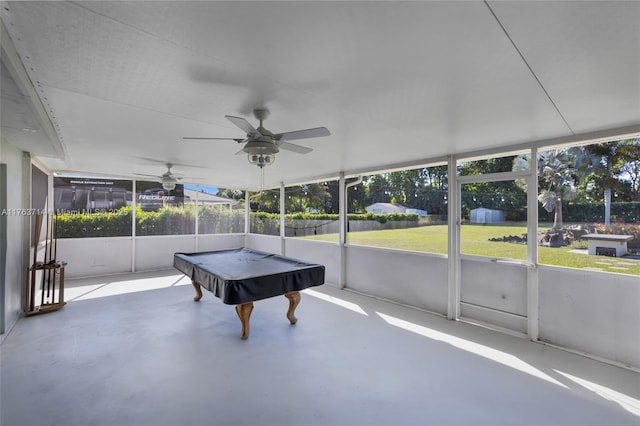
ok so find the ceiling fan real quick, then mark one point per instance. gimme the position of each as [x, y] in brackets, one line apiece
[261, 145]
[168, 179]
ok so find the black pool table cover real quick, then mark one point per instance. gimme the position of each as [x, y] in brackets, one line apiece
[244, 275]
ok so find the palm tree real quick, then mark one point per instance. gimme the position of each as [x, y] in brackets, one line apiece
[556, 169]
[559, 171]
[606, 155]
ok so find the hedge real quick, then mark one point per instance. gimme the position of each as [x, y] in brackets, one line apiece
[212, 220]
[82, 225]
[170, 220]
[624, 212]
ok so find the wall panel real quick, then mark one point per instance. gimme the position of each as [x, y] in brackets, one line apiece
[220, 242]
[157, 252]
[87, 257]
[16, 228]
[415, 279]
[327, 254]
[592, 312]
[267, 243]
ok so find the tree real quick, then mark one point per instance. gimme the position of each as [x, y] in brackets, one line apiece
[266, 201]
[490, 165]
[376, 189]
[294, 200]
[610, 163]
[605, 156]
[436, 177]
[333, 203]
[317, 195]
[403, 186]
[235, 194]
[356, 199]
[628, 165]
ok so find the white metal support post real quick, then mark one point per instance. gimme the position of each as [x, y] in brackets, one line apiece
[532, 249]
[3, 246]
[195, 231]
[453, 219]
[342, 210]
[247, 216]
[344, 224]
[134, 203]
[26, 219]
[282, 221]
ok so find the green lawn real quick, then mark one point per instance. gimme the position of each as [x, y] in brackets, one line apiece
[475, 241]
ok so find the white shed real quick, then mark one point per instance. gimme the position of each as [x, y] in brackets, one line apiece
[484, 215]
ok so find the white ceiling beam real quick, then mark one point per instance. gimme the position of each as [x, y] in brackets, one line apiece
[12, 61]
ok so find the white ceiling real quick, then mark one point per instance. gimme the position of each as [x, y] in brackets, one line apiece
[395, 82]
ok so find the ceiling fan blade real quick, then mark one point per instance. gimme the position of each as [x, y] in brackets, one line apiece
[220, 139]
[152, 160]
[143, 174]
[244, 125]
[294, 148]
[304, 134]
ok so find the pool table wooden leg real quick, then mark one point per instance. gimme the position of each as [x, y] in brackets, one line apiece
[244, 313]
[294, 300]
[198, 291]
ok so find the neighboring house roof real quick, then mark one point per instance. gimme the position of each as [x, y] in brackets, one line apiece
[205, 197]
[388, 205]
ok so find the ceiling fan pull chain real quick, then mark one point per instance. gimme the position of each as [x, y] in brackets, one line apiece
[261, 181]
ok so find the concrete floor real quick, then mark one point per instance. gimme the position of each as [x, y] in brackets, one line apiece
[136, 350]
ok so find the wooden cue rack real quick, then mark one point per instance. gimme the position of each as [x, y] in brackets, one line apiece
[46, 276]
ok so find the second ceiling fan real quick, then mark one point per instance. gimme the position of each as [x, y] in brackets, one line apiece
[261, 145]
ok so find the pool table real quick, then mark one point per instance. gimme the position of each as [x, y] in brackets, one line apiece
[242, 276]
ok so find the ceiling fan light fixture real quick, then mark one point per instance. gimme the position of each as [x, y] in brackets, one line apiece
[169, 185]
[261, 160]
